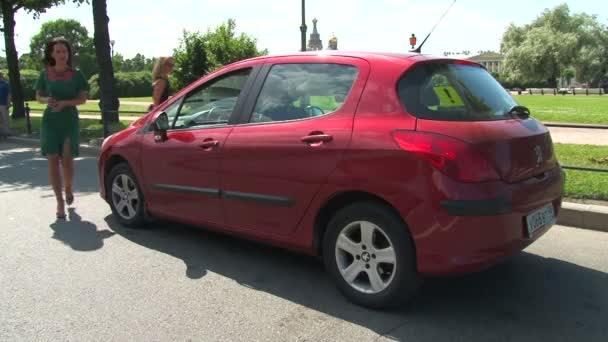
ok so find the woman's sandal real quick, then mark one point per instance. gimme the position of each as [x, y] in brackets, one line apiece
[69, 196]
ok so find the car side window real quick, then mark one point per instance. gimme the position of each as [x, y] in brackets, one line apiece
[171, 111]
[300, 91]
[212, 103]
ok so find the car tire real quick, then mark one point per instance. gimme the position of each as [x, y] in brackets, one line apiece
[126, 199]
[369, 253]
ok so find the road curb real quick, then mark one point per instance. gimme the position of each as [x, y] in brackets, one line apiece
[587, 216]
[584, 216]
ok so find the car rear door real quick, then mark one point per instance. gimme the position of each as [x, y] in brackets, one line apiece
[291, 138]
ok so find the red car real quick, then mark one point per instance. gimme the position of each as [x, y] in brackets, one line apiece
[392, 167]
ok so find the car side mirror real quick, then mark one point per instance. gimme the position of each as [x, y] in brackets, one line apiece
[161, 125]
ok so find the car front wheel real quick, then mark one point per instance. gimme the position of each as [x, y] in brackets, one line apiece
[370, 255]
[125, 196]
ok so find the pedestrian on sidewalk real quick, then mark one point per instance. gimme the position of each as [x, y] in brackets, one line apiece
[161, 87]
[62, 88]
[5, 103]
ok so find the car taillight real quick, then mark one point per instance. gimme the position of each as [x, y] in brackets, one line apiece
[452, 157]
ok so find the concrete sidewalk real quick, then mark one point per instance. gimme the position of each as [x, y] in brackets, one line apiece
[579, 215]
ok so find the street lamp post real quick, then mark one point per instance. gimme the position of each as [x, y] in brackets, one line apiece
[303, 27]
[112, 47]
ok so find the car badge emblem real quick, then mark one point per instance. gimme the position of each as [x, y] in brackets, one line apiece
[539, 155]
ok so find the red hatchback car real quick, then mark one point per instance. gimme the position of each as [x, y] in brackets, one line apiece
[391, 167]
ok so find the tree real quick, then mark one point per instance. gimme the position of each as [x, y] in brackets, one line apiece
[9, 9]
[198, 54]
[190, 58]
[78, 36]
[108, 98]
[553, 42]
[26, 62]
[226, 47]
[567, 75]
[118, 62]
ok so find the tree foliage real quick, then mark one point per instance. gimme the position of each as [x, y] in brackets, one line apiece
[78, 36]
[9, 9]
[555, 41]
[198, 54]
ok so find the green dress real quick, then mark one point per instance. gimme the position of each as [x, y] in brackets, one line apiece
[58, 126]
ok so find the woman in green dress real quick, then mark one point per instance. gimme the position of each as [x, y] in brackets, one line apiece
[62, 88]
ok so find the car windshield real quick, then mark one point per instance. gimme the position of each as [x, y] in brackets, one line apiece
[454, 92]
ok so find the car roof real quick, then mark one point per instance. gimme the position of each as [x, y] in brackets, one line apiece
[367, 55]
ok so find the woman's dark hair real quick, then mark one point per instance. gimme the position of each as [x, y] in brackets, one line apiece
[48, 51]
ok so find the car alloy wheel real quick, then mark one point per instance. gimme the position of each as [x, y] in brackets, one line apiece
[125, 196]
[365, 257]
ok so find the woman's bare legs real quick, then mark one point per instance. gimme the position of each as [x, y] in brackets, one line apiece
[67, 162]
[55, 179]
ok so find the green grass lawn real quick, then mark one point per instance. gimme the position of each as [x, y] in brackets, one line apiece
[591, 109]
[89, 128]
[584, 184]
[94, 108]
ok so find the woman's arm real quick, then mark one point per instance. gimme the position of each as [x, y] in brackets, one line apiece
[157, 91]
[81, 99]
[42, 98]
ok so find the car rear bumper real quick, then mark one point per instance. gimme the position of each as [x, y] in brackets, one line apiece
[472, 234]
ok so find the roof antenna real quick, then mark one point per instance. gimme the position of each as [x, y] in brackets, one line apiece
[418, 50]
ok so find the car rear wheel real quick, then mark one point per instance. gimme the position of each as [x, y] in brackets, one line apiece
[370, 255]
[125, 196]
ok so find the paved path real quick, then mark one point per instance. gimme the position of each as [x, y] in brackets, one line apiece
[558, 134]
[579, 136]
[133, 103]
[89, 279]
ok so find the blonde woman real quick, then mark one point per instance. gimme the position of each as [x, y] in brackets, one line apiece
[160, 74]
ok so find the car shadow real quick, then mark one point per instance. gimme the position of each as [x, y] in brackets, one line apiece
[79, 235]
[529, 298]
[24, 168]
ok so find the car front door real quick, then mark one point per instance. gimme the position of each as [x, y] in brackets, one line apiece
[181, 173]
[290, 140]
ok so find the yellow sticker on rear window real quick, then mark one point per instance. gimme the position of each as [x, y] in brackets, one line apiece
[448, 97]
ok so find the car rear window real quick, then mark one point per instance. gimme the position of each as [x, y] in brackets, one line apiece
[454, 92]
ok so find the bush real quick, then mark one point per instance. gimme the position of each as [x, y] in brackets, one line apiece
[128, 84]
[28, 82]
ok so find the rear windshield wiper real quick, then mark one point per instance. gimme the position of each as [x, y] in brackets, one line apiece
[520, 111]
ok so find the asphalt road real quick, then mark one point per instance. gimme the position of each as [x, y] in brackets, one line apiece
[88, 279]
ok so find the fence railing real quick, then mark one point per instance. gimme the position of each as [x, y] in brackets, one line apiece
[565, 91]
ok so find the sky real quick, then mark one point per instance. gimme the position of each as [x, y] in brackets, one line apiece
[154, 27]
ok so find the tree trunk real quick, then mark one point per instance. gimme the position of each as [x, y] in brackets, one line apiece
[108, 98]
[8, 18]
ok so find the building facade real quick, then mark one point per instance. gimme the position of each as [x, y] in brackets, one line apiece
[492, 61]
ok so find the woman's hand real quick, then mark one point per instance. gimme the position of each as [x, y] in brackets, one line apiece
[56, 105]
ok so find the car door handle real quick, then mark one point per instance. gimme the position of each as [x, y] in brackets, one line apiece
[317, 138]
[207, 144]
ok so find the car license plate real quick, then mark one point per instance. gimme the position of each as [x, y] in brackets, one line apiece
[540, 218]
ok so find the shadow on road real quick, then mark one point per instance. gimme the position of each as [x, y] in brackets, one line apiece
[78, 234]
[528, 298]
[24, 168]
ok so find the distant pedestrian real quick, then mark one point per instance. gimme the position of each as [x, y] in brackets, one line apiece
[5, 103]
[62, 88]
[160, 86]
